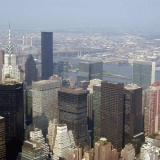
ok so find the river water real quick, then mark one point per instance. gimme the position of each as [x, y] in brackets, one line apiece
[125, 70]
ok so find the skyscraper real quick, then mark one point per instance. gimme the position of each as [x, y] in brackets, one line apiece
[47, 54]
[133, 120]
[61, 69]
[10, 67]
[30, 70]
[90, 70]
[96, 112]
[143, 73]
[151, 105]
[2, 139]
[1, 63]
[45, 103]
[12, 109]
[72, 104]
[112, 111]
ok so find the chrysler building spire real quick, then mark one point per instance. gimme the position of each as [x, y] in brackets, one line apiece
[9, 46]
[10, 67]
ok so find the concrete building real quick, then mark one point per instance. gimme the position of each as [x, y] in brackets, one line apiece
[72, 104]
[151, 105]
[150, 150]
[45, 103]
[1, 63]
[63, 140]
[12, 109]
[104, 150]
[10, 67]
[112, 113]
[84, 84]
[143, 73]
[133, 119]
[60, 139]
[74, 153]
[47, 54]
[36, 134]
[2, 139]
[92, 83]
[30, 70]
[128, 152]
[90, 70]
[32, 150]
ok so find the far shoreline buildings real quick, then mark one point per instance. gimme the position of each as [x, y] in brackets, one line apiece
[89, 70]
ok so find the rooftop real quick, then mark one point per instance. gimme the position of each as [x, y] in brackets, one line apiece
[73, 90]
[131, 86]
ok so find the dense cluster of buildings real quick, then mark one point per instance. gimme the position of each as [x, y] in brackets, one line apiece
[52, 117]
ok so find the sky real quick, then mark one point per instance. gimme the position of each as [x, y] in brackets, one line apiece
[45, 14]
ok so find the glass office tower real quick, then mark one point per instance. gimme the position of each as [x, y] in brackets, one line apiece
[143, 73]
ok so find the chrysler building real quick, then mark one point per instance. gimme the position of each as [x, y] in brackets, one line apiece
[10, 67]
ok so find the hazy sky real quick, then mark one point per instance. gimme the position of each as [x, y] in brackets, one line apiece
[68, 13]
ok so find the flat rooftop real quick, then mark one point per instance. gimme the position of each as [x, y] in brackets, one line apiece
[73, 90]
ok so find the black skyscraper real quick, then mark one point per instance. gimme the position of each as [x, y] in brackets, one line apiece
[30, 70]
[112, 111]
[47, 54]
[72, 104]
[12, 109]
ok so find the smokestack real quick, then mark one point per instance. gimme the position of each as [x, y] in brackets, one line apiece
[26, 41]
[31, 41]
[23, 40]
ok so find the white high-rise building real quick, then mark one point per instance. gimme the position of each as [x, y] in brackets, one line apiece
[60, 139]
[150, 150]
[10, 67]
[37, 135]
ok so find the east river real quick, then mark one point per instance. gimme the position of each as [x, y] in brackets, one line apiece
[124, 70]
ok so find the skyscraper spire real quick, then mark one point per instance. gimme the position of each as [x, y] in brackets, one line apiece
[9, 46]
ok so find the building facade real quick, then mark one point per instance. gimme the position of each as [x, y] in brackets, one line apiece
[104, 150]
[61, 69]
[72, 105]
[151, 105]
[47, 54]
[90, 70]
[112, 112]
[143, 73]
[30, 70]
[29, 107]
[36, 134]
[65, 138]
[32, 150]
[45, 103]
[12, 109]
[1, 63]
[10, 67]
[96, 112]
[128, 152]
[2, 139]
[133, 119]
